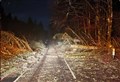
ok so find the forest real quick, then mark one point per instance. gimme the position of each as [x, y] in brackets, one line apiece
[99, 19]
[80, 44]
[30, 29]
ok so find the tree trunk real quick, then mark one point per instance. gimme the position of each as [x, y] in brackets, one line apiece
[98, 24]
[109, 21]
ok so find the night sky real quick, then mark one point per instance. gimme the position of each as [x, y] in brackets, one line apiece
[37, 9]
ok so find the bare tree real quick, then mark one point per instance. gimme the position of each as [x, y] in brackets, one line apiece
[85, 15]
[109, 20]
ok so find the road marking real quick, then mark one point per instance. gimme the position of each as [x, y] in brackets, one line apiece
[74, 77]
[20, 76]
[44, 56]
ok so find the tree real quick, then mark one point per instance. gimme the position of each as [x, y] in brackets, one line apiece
[40, 24]
[109, 20]
[2, 16]
[9, 16]
[30, 21]
[94, 15]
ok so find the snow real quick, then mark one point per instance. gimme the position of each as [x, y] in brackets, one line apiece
[87, 66]
[21, 63]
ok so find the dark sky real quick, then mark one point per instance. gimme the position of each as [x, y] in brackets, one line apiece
[37, 9]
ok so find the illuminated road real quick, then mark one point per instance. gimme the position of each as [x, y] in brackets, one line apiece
[52, 68]
[83, 68]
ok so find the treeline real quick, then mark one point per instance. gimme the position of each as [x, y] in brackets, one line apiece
[95, 17]
[29, 29]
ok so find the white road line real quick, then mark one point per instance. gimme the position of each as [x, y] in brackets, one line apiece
[26, 70]
[74, 77]
[19, 77]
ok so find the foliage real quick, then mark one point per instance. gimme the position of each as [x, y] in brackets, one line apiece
[93, 18]
[32, 30]
[12, 45]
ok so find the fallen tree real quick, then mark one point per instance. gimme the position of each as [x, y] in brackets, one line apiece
[12, 45]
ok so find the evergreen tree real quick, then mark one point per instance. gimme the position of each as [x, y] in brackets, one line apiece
[2, 17]
[41, 25]
[9, 16]
[30, 21]
[15, 18]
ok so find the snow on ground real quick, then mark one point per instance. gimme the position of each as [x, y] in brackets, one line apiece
[88, 68]
[20, 63]
[87, 65]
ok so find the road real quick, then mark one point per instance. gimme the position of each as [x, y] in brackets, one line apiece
[83, 67]
[52, 68]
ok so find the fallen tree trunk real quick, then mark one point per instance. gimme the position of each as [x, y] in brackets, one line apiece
[84, 47]
[12, 45]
